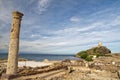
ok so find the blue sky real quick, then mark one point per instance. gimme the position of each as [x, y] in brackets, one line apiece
[62, 26]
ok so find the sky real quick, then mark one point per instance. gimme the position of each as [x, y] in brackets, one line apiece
[62, 26]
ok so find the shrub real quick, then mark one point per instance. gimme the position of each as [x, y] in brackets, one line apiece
[98, 55]
[89, 58]
[84, 55]
[108, 55]
[81, 53]
[100, 50]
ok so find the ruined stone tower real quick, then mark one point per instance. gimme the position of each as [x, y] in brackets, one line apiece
[14, 43]
[99, 44]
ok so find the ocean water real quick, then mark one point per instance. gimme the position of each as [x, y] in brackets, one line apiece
[41, 57]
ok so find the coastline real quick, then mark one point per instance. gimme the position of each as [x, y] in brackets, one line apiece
[40, 57]
[32, 63]
[106, 68]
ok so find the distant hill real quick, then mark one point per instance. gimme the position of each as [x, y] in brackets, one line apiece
[99, 50]
[95, 51]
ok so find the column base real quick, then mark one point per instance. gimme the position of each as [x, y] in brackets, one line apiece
[8, 76]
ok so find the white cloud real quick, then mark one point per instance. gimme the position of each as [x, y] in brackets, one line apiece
[92, 26]
[43, 5]
[78, 29]
[4, 41]
[70, 39]
[5, 22]
[35, 35]
[116, 21]
[74, 19]
[5, 12]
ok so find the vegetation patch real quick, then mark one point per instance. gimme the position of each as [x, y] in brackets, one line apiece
[89, 54]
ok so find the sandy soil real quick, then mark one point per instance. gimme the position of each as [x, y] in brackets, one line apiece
[33, 63]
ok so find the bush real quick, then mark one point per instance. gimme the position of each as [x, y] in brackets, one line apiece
[89, 58]
[84, 55]
[98, 55]
[80, 53]
[100, 50]
[108, 55]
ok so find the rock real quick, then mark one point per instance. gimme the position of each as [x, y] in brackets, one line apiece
[80, 62]
[113, 63]
[118, 73]
[66, 62]
[2, 71]
[45, 60]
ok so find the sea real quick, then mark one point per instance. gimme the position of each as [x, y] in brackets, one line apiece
[41, 57]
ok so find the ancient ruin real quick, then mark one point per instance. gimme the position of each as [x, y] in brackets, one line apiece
[105, 67]
[14, 43]
[99, 44]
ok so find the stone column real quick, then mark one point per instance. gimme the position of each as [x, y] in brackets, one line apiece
[12, 64]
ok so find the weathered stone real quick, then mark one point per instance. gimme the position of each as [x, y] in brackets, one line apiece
[118, 73]
[99, 44]
[14, 43]
[8, 77]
